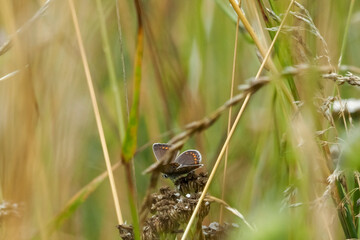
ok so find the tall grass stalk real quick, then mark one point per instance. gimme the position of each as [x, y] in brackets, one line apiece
[229, 119]
[96, 112]
[251, 32]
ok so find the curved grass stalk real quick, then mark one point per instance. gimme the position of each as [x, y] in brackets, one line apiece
[231, 209]
[9, 75]
[96, 111]
[229, 119]
[39, 13]
[186, 232]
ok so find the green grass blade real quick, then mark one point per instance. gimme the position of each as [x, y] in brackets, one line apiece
[129, 145]
[130, 141]
[356, 197]
[347, 216]
[111, 70]
[346, 30]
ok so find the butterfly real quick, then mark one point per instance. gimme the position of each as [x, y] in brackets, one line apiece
[180, 164]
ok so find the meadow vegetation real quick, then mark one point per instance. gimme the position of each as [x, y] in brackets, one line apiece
[267, 91]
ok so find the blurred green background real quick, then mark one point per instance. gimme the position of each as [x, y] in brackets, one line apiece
[50, 145]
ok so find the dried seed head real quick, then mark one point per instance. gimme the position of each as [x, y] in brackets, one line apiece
[191, 183]
[126, 231]
[172, 209]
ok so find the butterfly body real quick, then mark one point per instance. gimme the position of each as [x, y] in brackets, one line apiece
[173, 170]
[180, 164]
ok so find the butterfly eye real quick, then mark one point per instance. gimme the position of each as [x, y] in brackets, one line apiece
[165, 176]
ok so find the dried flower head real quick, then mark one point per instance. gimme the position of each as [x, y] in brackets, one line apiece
[191, 183]
[171, 210]
[126, 231]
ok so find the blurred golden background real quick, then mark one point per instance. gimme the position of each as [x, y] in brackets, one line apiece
[279, 158]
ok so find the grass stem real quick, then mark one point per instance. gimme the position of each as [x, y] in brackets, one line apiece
[96, 111]
[229, 120]
[111, 70]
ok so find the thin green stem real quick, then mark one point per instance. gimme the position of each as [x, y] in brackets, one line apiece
[346, 30]
[122, 56]
[345, 213]
[111, 70]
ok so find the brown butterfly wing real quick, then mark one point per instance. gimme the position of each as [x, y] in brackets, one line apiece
[160, 149]
[188, 161]
[189, 157]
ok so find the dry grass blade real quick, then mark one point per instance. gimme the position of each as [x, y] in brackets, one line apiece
[96, 112]
[251, 32]
[7, 45]
[9, 75]
[231, 209]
